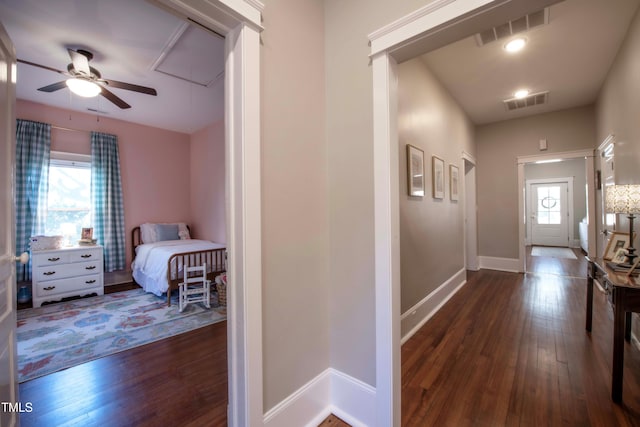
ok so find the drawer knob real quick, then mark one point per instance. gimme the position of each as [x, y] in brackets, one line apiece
[89, 281]
[85, 256]
[91, 267]
[54, 259]
[49, 288]
[49, 273]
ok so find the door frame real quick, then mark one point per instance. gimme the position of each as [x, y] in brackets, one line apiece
[427, 28]
[527, 203]
[240, 22]
[588, 155]
[470, 213]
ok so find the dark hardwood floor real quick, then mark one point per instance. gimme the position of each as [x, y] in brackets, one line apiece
[558, 266]
[508, 349]
[511, 349]
[180, 381]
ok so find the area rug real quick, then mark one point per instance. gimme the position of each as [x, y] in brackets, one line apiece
[58, 336]
[553, 252]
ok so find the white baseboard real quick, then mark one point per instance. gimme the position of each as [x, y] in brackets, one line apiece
[503, 264]
[331, 392]
[414, 318]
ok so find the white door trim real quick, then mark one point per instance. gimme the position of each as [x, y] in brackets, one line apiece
[384, 42]
[565, 180]
[470, 234]
[588, 155]
[240, 22]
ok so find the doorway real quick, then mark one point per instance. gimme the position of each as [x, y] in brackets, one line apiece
[471, 214]
[549, 211]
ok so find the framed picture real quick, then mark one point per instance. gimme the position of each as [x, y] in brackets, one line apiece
[620, 256]
[616, 241]
[453, 181]
[438, 177]
[87, 233]
[415, 171]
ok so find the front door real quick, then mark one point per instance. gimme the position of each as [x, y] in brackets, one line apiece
[8, 374]
[549, 214]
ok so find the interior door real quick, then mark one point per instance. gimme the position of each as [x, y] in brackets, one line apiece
[8, 372]
[606, 156]
[549, 214]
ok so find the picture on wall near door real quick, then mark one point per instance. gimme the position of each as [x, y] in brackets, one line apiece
[438, 177]
[415, 171]
[453, 181]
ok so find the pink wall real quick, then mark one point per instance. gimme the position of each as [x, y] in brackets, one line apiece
[154, 163]
[207, 183]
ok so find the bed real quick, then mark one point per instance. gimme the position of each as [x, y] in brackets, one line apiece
[159, 257]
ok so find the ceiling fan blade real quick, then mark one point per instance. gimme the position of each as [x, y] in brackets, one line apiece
[54, 87]
[113, 98]
[129, 86]
[41, 66]
[80, 62]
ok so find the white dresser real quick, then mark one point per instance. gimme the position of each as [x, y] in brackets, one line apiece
[68, 272]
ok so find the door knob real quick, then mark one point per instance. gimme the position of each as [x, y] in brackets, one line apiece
[23, 258]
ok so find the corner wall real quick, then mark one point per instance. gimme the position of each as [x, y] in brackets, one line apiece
[154, 163]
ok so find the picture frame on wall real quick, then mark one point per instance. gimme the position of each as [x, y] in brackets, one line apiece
[454, 179]
[616, 241]
[415, 171]
[437, 177]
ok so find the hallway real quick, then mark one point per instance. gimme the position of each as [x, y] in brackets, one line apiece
[511, 349]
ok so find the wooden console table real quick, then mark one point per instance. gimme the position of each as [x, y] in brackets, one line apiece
[625, 295]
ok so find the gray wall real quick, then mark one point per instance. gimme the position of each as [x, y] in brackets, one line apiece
[431, 230]
[295, 198]
[349, 114]
[572, 167]
[498, 146]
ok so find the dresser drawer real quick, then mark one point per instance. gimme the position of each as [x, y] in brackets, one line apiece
[53, 258]
[91, 254]
[77, 285]
[54, 272]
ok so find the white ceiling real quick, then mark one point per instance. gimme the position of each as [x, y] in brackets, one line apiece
[569, 57]
[127, 38]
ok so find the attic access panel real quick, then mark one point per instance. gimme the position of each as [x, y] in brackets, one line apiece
[193, 54]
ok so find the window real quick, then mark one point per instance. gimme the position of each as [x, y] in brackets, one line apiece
[69, 198]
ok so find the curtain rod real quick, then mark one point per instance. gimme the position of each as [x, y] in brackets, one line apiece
[69, 129]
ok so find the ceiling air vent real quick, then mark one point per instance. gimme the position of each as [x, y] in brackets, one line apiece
[513, 27]
[528, 101]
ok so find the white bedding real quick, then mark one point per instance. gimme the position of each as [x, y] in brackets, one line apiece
[150, 266]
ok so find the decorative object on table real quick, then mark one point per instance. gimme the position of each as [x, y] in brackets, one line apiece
[632, 271]
[620, 256]
[616, 241]
[415, 171]
[625, 199]
[86, 238]
[454, 175]
[437, 177]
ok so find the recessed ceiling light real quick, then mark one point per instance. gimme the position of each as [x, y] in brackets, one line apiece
[521, 93]
[515, 45]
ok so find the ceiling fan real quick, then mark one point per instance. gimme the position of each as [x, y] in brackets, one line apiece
[86, 81]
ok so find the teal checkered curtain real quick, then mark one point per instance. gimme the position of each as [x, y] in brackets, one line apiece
[33, 146]
[106, 199]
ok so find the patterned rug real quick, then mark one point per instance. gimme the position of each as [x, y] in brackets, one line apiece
[58, 336]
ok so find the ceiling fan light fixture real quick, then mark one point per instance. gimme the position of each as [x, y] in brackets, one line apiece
[515, 45]
[84, 88]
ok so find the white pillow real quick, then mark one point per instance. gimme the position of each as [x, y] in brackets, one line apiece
[149, 233]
